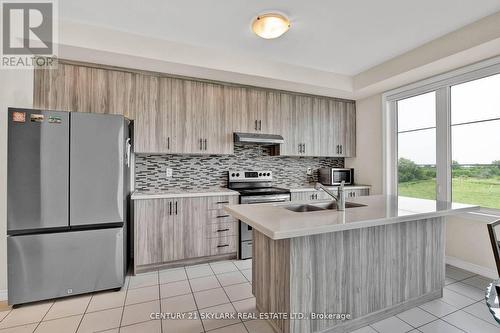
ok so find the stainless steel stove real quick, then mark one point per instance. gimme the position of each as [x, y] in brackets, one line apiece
[254, 187]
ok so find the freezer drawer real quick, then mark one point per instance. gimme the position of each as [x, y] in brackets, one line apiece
[38, 170]
[53, 265]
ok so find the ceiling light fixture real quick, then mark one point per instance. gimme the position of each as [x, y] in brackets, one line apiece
[271, 25]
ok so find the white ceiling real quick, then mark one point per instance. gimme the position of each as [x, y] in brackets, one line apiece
[344, 37]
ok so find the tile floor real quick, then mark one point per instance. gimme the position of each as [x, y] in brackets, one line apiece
[225, 287]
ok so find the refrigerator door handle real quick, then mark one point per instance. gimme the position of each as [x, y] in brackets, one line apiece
[129, 147]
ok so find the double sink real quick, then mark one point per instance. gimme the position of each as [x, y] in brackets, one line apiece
[304, 208]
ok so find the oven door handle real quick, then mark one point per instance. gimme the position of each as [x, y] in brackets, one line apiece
[266, 201]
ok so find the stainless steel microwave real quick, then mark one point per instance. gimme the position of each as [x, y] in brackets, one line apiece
[334, 176]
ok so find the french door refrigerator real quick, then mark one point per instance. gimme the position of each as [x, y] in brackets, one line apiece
[67, 193]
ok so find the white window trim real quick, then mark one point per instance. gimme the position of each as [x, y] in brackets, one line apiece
[441, 84]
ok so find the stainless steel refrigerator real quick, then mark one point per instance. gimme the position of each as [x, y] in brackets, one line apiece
[67, 194]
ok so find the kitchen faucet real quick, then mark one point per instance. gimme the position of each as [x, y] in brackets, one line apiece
[340, 198]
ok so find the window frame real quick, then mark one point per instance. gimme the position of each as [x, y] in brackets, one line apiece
[441, 84]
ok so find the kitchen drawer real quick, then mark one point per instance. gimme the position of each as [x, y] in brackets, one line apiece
[219, 216]
[222, 245]
[218, 203]
[217, 230]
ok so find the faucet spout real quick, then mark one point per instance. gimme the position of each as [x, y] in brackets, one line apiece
[340, 198]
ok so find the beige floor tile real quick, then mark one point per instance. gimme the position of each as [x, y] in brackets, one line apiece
[248, 274]
[61, 325]
[238, 292]
[69, 306]
[26, 314]
[258, 326]
[194, 272]
[220, 311]
[143, 280]
[107, 300]
[152, 326]
[172, 275]
[204, 283]
[101, 320]
[227, 279]
[191, 324]
[3, 314]
[243, 264]
[237, 328]
[175, 289]
[20, 329]
[141, 295]
[246, 308]
[208, 298]
[183, 303]
[139, 312]
[223, 267]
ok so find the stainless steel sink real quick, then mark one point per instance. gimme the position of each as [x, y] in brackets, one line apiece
[320, 206]
[333, 205]
[303, 208]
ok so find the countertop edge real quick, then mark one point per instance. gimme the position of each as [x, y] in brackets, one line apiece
[145, 196]
[310, 189]
[343, 227]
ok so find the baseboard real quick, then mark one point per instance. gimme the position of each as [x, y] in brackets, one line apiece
[3, 295]
[484, 271]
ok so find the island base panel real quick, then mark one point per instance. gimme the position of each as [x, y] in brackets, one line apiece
[370, 273]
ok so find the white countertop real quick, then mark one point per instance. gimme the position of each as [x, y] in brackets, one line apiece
[276, 222]
[308, 189]
[182, 194]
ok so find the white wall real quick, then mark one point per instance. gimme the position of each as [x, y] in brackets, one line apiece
[368, 161]
[16, 89]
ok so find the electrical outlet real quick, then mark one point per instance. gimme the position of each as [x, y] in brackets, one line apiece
[169, 172]
[309, 171]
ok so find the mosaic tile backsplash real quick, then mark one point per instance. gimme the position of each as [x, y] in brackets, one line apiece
[210, 171]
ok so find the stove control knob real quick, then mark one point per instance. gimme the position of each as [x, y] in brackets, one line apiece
[268, 174]
[260, 174]
[233, 174]
[237, 175]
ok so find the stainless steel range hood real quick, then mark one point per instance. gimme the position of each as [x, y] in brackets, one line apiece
[263, 139]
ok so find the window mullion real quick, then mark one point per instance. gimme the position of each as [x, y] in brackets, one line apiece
[443, 144]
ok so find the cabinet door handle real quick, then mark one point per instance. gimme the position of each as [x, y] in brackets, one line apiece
[300, 146]
[201, 144]
[168, 143]
[256, 125]
[176, 208]
[205, 144]
[341, 149]
[221, 216]
[304, 145]
[170, 208]
[338, 149]
[222, 202]
[222, 230]
[225, 245]
[260, 125]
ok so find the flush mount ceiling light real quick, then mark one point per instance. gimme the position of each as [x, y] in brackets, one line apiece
[271, 25]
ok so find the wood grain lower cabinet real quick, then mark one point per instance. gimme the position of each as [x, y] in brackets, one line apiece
[321, 195]
[169, 230]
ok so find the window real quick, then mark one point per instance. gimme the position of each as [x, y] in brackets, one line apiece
[475, 142]
[417, 146]
[442, 137]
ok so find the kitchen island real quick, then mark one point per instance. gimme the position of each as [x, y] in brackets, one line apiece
[342, 270]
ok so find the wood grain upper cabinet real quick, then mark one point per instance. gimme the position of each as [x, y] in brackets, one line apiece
[343, 128]
[208, 122]
[296, 115]
[147, 138]
[253, 110]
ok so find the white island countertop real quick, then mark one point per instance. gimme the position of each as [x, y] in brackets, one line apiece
[277, 222]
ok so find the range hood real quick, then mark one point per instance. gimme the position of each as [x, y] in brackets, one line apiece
[263, 139]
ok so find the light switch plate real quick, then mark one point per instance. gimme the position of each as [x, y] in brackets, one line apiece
[309, 171]
[169, 172]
